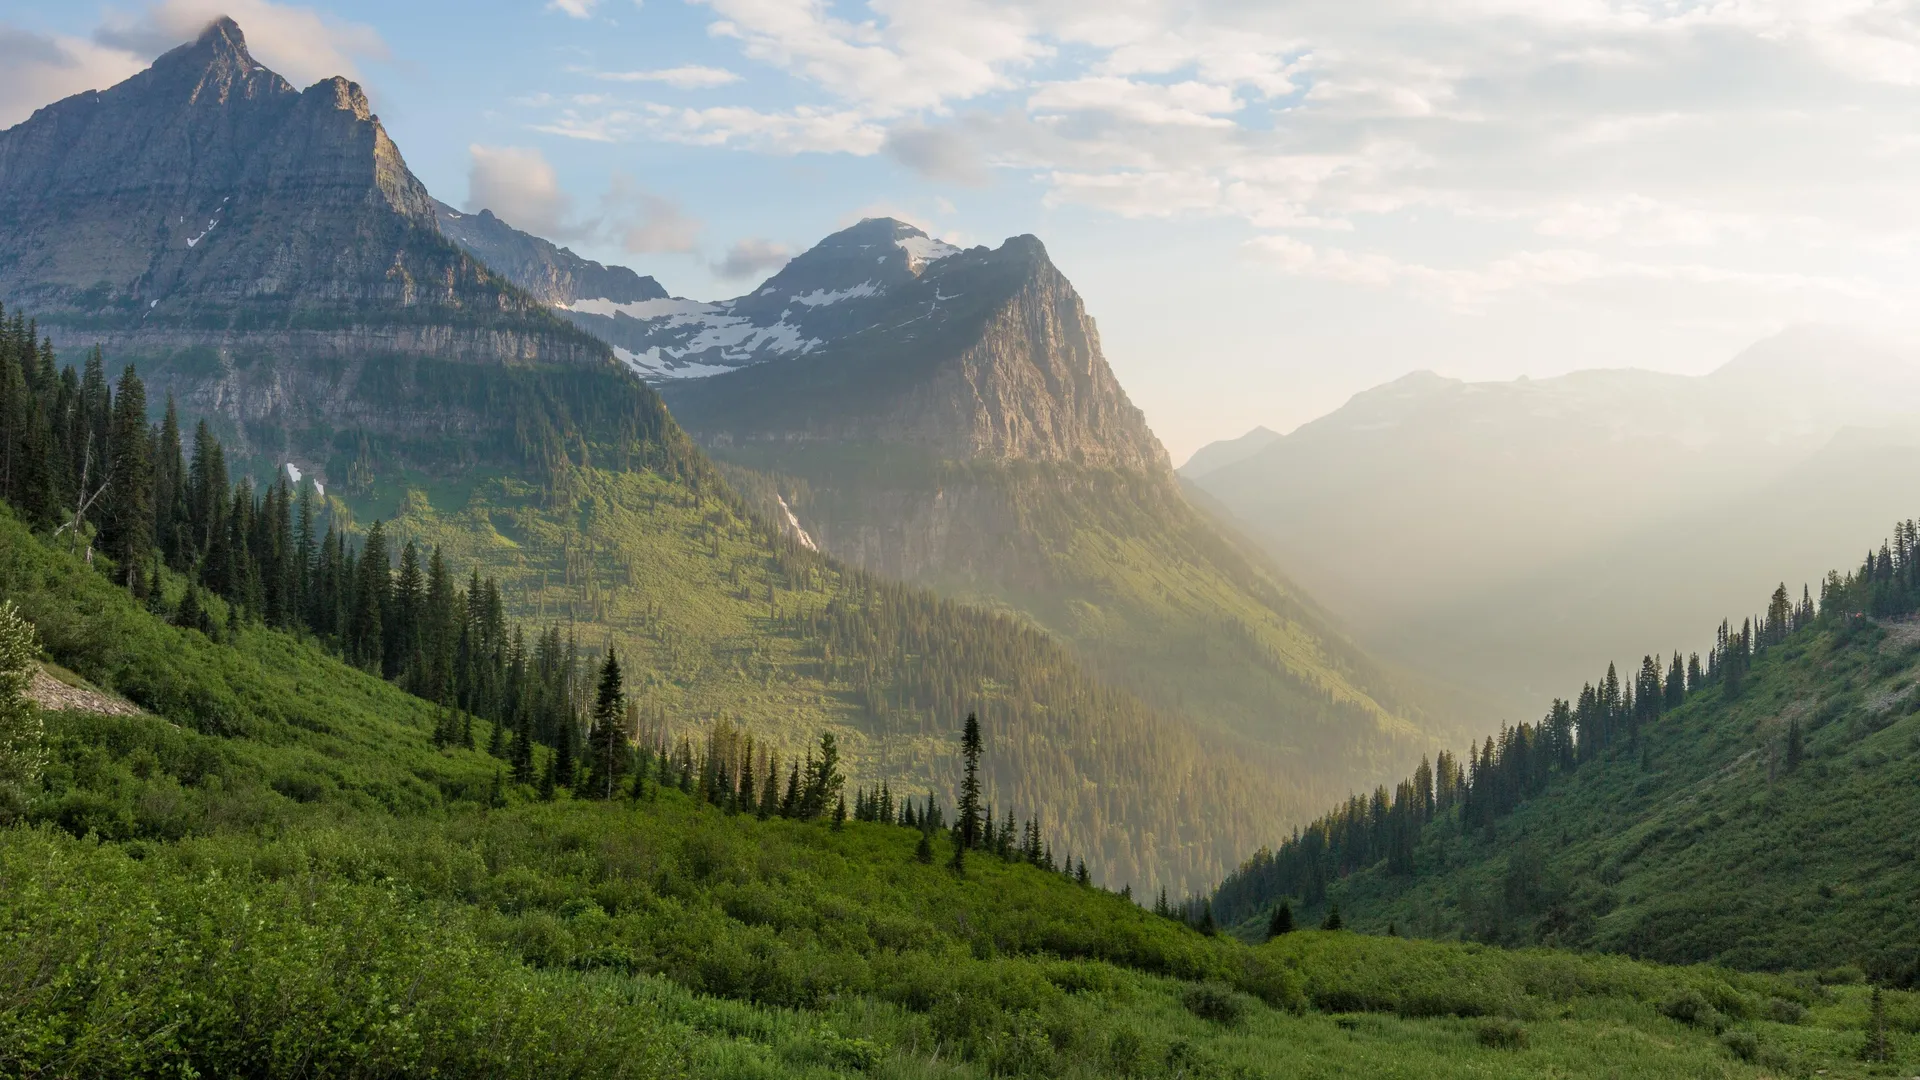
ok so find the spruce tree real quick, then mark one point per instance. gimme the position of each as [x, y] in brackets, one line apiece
[967, 813]
[840, 814]
[1206, 919]
[923, 852]
[1282, 921]
[1332, 921]
[126, 522]
[607, 741]
[1876, 1048]
[1796, 744]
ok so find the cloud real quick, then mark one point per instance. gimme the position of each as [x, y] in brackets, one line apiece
[521, 189]
[938, 153]
[804, 129]
[579, 9]
[301, 44]
[644, 222]
[1751, 137]
[917, 56]
[751, 258]
[37, 69]
[687, 77]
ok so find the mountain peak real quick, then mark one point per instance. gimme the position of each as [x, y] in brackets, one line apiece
[223, 32]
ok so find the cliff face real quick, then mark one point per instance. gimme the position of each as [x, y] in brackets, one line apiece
[254, 247]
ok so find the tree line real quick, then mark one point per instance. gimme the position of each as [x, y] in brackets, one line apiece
[1607, 718]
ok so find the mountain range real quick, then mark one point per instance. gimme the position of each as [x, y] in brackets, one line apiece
[1506, 534]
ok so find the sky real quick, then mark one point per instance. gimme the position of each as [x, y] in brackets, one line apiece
[1267, 205]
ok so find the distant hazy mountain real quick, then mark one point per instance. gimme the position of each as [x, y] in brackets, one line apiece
[1485, 530]
[1218, 455]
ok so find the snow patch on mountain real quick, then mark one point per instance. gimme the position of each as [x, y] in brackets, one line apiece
[641, 309]
[793, 523]
[922, 250]
[821, 297]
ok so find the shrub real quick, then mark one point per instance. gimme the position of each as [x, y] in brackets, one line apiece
[1782, 1011]
[1501, 1035]
[1742, 1044]
[1690, 1007]
[1212, 1001]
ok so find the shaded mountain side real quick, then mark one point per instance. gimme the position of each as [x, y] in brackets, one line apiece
[263, 251]
[1760, 816]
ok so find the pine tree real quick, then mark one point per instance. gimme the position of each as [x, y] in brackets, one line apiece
[365, 629]
[1332, 921]
[840, 814]
[607, 741]
[967, 813]
[923, 852]
[1282, 921]
[1206, 919]
[1796, 744]
[126, 521]
[1876, 1048]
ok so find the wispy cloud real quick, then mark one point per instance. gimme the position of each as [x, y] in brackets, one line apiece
[687, 77]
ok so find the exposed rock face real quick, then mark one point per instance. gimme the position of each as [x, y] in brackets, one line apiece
[980, 354]
[262, 252]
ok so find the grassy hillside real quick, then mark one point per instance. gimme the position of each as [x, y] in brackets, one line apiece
[277, 874]
[1764, 824]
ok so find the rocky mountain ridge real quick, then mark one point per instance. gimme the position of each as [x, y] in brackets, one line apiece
[263, 252]
[553, 275]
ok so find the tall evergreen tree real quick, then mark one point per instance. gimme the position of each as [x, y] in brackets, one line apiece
[126, 519]
[967, 813]
[1282, 921]
[607, 741]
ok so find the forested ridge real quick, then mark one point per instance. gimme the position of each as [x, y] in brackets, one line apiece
[1479, 845]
